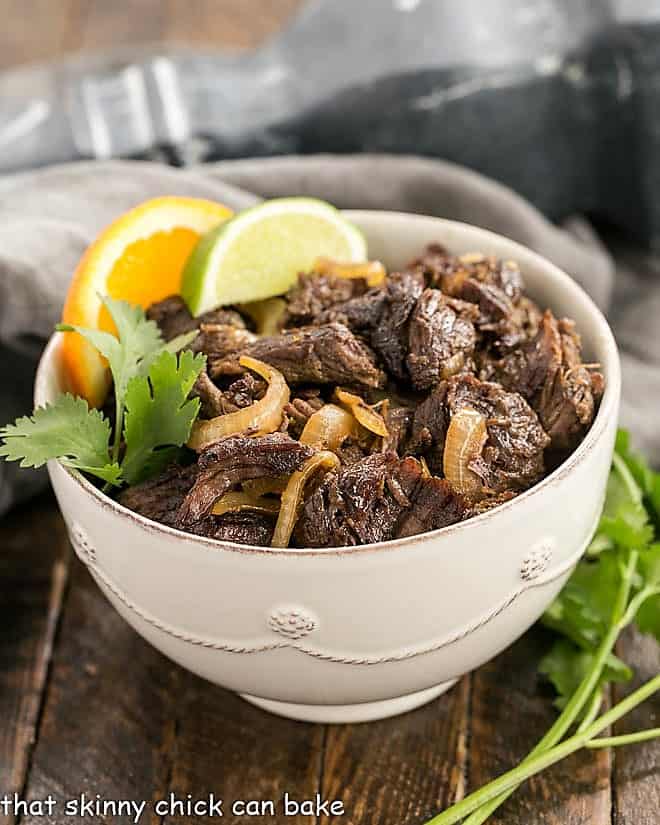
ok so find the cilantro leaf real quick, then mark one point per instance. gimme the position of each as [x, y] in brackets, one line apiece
[566, 666]
[624, 518]
[66, 429]
[137, 338]
[159, 413]
[582, 610]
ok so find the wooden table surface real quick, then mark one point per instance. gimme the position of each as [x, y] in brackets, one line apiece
[87, 706]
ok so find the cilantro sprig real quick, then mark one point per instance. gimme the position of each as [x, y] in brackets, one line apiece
[616, 584]
[153, 414]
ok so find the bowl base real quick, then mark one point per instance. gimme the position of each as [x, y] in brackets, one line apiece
[345, 714]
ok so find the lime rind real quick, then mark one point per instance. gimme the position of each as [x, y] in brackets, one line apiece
[258, 253]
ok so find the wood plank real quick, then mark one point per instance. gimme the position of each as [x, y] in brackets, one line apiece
[235, 23]
[33, 30]
[33, 570]
[511, 710]
[104, 25]
[399, 770]
[637, 768]
[227, 746]
[107, 721]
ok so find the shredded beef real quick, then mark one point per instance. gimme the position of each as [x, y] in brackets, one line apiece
[378, 498]
[222, 341]
[243, 527]
[174, 318]
[159, 498]
[512, 458]
[429, 428]
[441, 339]
[390, 338]
[398, 421]
[548, 372]
[235, 459]
[327, 354]
[314, 294]
[300, 408]
[242, 392]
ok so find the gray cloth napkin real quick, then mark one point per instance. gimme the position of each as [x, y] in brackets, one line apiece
[49, 217]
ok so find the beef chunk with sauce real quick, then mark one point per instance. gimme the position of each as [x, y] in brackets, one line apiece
[315, 294]
[390, 338]
[512, 457]
[240, 393]
[549, 373]
[159, 498]
[235, 459]
[174, 318]
[327, 354]
[376, 499]
[441, 338]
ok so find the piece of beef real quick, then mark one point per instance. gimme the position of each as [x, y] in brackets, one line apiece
[328, 354]
[548, 372]
[398, 421]
[159, 498]
[174, 318]
[242, 392]
[441, 338]
[361, 314]
[512, 457]
[429, 428]
[390, 337]
[483, 505]
[434, 504]
[378, 498]
[221, 341]
[242, 527]
[300, 408]
[526, 368]
[313, 294]
[235, 459]
[567, 401]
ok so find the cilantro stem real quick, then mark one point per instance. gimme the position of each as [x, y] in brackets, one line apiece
[592, 711]
[512, 779]
[625, 739]
[577, 701]
[119, 424]
[636, 602]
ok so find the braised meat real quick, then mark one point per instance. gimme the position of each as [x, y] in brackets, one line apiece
[443, 391]
[159, 498]
[512, 458]
[549, 373]
[236, 459]
[378, 498]
[441, 339]
[316, 293]
[390, 337]
[174, 318]
[327, 354]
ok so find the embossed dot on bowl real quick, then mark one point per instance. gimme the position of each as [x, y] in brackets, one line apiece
[538, 559]
[292, 622]
[82, 544]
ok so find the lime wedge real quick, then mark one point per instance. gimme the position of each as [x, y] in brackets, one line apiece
[259, 253]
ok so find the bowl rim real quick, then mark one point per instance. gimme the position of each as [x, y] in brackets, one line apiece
[607, 406]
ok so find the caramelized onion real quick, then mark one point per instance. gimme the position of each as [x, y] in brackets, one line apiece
[265, 486]
[466, 436]
[292, 497]
[267, 314]
[328, 428]
[373, 272]
[234, 501]
[364, 414]
[260, 418]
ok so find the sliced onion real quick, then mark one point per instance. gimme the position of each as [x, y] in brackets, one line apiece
[364, 414]
[328, 428]
[267, 314]
[466, 436]
[292, 497]
[265, 486]
[262, 417]
[373, 272]
[235, 500]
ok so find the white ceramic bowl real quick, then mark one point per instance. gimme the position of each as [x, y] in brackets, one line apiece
[353, 634]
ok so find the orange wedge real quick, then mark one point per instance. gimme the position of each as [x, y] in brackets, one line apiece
[139, 258]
